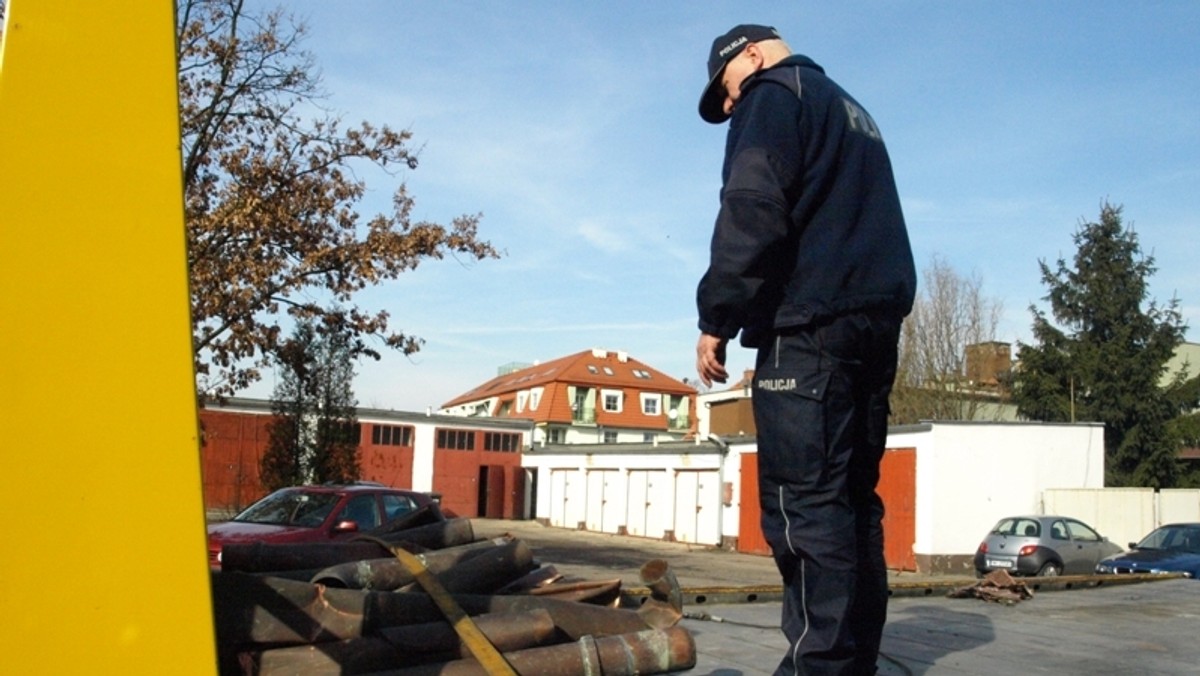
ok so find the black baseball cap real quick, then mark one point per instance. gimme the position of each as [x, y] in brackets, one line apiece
[724, 49]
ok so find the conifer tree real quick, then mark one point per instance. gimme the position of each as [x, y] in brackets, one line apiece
[336, 438]
[315, 434]
[1108, 360]
[285, 461]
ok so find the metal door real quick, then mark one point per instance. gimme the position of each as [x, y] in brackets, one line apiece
[650, 503]
[697, 508]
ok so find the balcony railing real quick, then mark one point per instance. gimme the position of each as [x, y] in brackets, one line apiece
[584, 417]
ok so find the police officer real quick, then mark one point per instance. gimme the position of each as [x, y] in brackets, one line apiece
[811, 264]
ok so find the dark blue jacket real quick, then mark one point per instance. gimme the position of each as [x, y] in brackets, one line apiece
[810, 225]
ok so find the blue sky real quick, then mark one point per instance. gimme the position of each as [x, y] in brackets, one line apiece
[572, 127]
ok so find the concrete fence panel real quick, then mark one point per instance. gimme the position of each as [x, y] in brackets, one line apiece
[1179, 504]
[1123, 515]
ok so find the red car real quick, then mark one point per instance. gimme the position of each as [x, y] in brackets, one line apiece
[316, 514]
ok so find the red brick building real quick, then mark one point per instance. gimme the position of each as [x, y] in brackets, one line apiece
[475, 464]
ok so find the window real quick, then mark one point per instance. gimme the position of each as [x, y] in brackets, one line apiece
[639, 373]
[592, 368]
[522, 398]
[456, 440]
[396, 506]
[648, 437]
[650, 404]
[1019, 527]
[535, 398]
[1058, 531]
[612, 400]
[361, 510]
[391, 435]
[610, 437]
[502, 442]
[608, 371]
[1081, 532]
[556, 435]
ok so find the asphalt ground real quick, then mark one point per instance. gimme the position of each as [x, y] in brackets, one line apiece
[602, 556]
[1072, 625]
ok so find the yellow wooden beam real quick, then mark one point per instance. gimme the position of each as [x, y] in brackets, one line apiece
[103, 556]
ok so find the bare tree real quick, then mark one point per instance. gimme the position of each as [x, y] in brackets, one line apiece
[951, 322]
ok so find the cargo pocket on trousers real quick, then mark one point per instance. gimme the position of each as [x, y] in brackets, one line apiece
[790, 415]
[780, 381]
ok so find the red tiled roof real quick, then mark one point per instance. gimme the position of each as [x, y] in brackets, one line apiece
[590, 368]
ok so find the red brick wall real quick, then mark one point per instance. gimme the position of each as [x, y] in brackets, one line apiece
[459, 469]
[234, 443]
[231, 448]
[390, 465]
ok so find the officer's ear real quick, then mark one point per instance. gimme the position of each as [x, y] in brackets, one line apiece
[755, 54]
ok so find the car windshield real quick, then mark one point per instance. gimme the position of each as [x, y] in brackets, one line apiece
[1173, 537]
[290, 508]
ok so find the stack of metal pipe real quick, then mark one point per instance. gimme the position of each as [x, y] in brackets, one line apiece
[364, 607]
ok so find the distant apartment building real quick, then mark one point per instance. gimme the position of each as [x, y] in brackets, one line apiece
[594, 396]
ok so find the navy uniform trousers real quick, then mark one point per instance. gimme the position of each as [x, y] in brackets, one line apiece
[820, 405]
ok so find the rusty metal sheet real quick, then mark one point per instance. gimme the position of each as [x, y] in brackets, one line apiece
[647, 652]
[479, 567]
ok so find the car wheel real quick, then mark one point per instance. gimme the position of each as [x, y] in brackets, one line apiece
[1050, 569]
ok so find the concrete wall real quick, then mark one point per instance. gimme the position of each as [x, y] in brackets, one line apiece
[681, 491]
[970, 475]
[1125, 515]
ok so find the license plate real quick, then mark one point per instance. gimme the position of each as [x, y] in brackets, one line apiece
[999, 563]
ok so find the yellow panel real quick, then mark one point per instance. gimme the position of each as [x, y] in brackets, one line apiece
[103, 555]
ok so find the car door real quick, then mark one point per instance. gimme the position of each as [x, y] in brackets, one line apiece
[363, 510]
[1059, 539]
[1085, 548]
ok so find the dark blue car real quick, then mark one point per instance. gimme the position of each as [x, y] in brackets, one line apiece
[1174, 548]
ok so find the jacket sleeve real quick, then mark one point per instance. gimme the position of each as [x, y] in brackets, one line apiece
[747, 257]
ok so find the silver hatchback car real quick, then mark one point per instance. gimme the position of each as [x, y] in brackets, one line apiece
[1042, 545]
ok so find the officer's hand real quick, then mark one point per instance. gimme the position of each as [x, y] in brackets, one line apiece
[710, 359]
